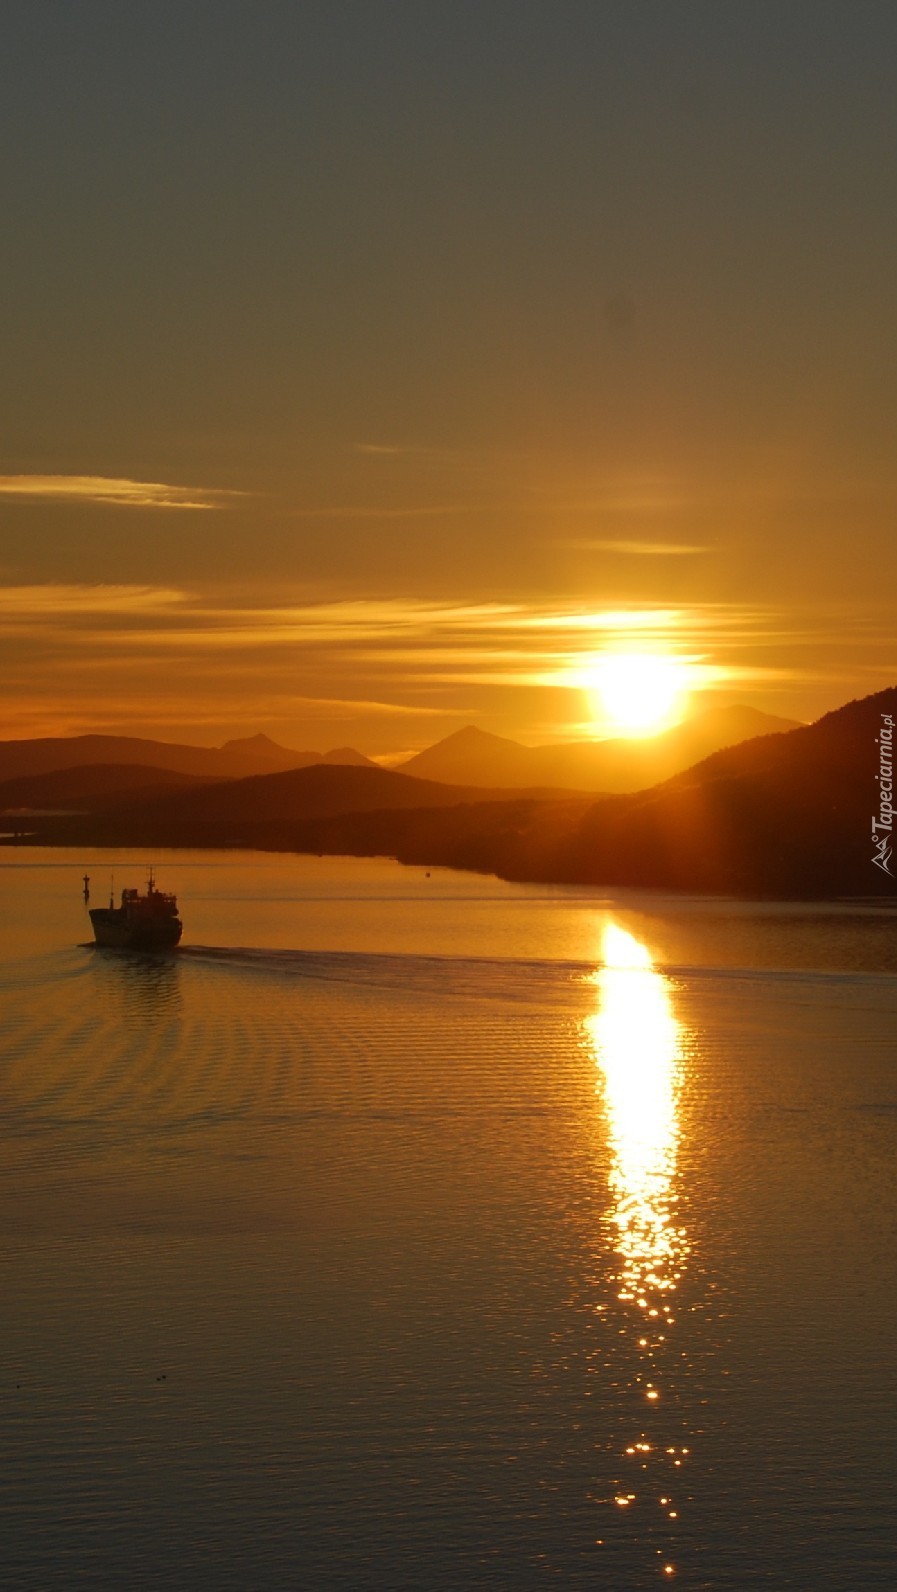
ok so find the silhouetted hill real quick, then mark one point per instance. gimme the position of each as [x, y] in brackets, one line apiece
[475, 757]
[91, 786]
[299, 793]
[249, 811]
[256, 754]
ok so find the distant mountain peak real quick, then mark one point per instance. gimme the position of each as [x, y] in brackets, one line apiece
[253, 743]
[471, 735]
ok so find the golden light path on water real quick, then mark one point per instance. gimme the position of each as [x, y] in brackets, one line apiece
[639, 1045]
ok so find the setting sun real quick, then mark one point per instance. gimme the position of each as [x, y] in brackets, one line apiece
[637, 693]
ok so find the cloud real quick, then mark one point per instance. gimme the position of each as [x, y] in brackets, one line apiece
[164, 619]
[79, 655]
[374, 513]
[430, 453]
[637, 549]
[175, 713]
[26, 602]
[387, 448]
[351, 708]
[109, 489]
[416, 450]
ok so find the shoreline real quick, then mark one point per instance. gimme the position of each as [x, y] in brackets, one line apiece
[858, 900]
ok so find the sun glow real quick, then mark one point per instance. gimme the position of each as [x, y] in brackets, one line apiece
[637, 693]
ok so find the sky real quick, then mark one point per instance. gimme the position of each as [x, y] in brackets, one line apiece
[372, 367]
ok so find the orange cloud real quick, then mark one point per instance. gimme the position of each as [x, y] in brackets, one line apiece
[109, 489]
[81, 655]
[26, 602]
[638, 549]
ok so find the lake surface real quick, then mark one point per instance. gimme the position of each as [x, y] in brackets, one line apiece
[426, 1231]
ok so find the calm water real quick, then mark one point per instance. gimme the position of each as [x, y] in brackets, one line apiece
[431, 1232]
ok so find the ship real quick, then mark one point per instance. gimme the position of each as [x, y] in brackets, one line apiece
[147, 922]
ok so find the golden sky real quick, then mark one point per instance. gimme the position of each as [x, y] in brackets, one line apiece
[373, 369]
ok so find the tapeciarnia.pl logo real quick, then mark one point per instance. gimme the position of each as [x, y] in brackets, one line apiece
[882, 826]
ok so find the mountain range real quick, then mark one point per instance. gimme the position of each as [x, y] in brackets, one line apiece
[469, 757]
[782, 815]
[255, 754]
[785, 816]
[474, 757]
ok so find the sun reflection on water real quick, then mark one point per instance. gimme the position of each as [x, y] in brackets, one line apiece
[638, 1046]
[638, 1043]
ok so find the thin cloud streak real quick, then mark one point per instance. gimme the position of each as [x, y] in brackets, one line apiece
[405, 625]
[384, 449]
[637, 549]
[413, 659]
[405, 450]
[170, 617]
[44, 712]
[58, 599]
[120, 493]
[426, 511]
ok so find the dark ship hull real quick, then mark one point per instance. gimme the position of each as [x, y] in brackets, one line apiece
[142, 923]
[113, 929]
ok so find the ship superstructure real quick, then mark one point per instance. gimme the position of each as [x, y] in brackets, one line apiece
[147, 922]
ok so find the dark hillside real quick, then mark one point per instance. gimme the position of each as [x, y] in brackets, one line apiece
[785, 814]
[251, 811]
[91, 786]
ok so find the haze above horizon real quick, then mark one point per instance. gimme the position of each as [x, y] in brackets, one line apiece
[371, 370]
